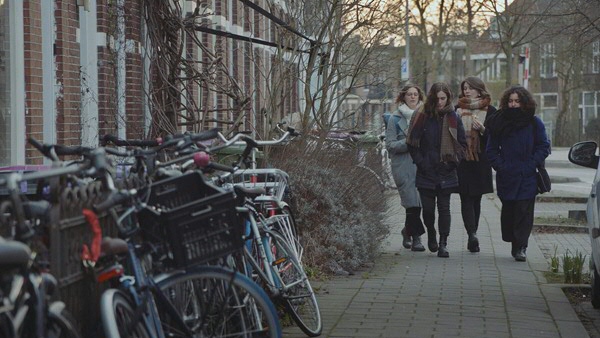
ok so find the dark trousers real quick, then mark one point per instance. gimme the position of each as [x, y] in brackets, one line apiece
[516, 221]
[429, 199]
[413, 224]
[470, 207]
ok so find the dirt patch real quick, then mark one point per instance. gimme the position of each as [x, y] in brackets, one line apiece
[558, 229]
[580, 300]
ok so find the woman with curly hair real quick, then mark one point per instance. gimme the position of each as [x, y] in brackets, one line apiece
[436, 140]
[517, 145]
[403, 168]
[474, 171]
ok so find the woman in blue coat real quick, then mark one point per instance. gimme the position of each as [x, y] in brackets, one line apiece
[436, 140]
[517, 145]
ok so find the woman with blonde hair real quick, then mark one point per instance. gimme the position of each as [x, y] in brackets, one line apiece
[403, 169]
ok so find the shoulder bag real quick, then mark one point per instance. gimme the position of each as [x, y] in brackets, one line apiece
[543, 179]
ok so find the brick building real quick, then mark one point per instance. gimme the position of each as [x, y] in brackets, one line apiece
[72, 70]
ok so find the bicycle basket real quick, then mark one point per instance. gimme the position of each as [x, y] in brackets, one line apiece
[198, 221]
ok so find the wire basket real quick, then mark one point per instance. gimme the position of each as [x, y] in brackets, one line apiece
[197, 221]
[275, 181]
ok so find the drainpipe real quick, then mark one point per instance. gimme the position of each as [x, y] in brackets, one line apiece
[121, 70]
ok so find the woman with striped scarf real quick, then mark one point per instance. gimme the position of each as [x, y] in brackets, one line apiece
[474, 171]
[436, 140]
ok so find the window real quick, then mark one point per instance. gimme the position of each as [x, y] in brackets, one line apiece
[590, 106]
[547, 62]
[596, 57]
[547, 105]
[5, 85]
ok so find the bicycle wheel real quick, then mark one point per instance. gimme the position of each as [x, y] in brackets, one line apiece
[297, 293]
[217, 302]
[60, 323]
[290, 232]
[117, 314]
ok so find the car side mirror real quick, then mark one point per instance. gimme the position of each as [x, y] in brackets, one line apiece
[584, 154]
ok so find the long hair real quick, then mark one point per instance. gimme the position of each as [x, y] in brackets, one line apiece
[527, 101]
[431, 101]
[402, 93]
[475, 83]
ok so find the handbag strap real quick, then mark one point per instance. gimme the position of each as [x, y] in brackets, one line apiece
[534, 124]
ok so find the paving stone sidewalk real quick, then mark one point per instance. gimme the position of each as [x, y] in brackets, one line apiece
[417, 294]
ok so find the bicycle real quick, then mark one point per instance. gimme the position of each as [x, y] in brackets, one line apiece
[268, 256]
[26, 287]
[142, 305]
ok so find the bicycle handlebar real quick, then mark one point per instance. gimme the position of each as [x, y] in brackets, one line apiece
[108, 139]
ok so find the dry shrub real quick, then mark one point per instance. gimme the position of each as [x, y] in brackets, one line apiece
[338, 205]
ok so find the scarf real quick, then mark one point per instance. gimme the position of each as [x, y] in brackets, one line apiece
[406, 111]
[506, 120]
[450, 149]
[469, 110]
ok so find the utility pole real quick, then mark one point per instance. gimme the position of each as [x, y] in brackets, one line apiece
[407, 38]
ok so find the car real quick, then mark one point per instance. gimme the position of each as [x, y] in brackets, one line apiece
[584, 154]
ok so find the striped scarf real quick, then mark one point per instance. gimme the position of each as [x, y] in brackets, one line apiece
[450, 149]
[469, 110]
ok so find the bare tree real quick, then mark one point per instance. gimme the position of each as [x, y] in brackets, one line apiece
[345, 40]
[573, 27]
[517, 24]
[178, 73]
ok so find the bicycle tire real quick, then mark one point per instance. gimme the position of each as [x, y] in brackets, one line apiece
[294, 232]
[297, 293]
[213, 306]
[60, 323]
[116, 312]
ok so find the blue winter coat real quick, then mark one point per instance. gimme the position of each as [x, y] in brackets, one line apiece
[431, 172]
[515, 157]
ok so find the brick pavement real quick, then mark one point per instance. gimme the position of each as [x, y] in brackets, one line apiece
[408, 294]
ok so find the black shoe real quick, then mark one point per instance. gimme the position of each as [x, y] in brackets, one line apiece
[521, 256]
[473, 243]
[442, 250]
[416, 244]
[513, 249]
[432, 241]
[406, 242]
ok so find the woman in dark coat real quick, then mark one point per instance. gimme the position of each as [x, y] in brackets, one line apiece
[436, 140]
[517, 145]
[474, 171]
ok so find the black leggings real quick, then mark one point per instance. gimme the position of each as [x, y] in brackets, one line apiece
[470, 207]
[428, 200]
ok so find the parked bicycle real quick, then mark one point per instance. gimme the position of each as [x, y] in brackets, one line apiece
[27, 289]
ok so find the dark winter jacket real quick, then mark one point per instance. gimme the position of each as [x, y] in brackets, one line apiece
[431, 172]
[515, 157]
[475, 177]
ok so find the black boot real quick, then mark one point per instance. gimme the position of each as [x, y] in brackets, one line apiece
[405, 239]
[473, 243]
[432, 240]
[442, 250]
[416, 244]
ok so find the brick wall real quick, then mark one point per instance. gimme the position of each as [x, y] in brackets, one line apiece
[68, 101]
[34, 123]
